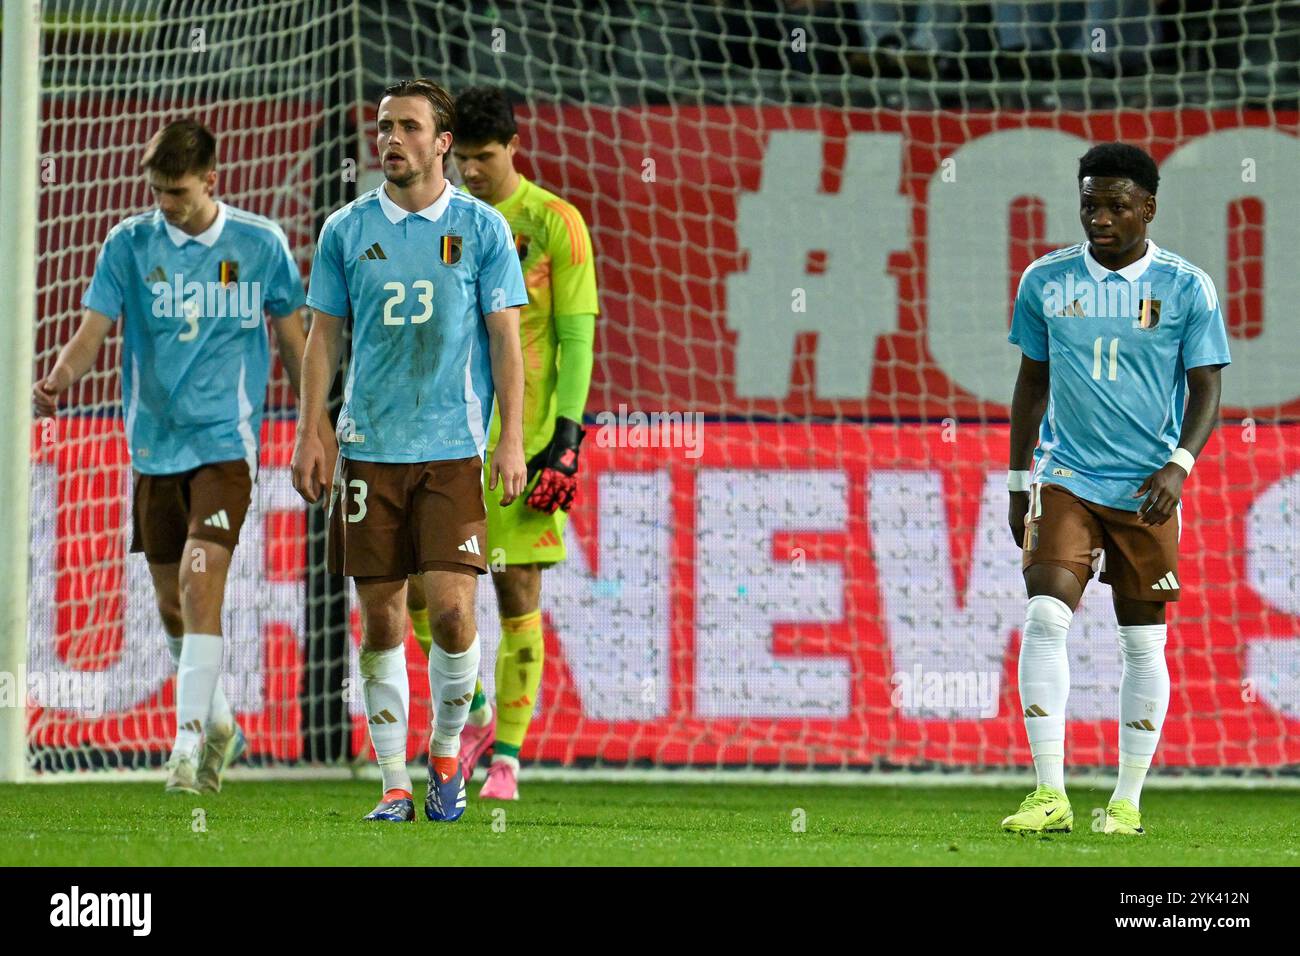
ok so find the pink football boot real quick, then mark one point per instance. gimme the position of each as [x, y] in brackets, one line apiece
[474, 742]
[502, 784]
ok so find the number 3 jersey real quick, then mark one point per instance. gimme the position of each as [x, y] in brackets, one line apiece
[1119, 345]
[195, 355]
[418, 286]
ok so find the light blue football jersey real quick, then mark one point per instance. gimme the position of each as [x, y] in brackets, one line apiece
[1120, 344]
[418, 286]
[195, 354]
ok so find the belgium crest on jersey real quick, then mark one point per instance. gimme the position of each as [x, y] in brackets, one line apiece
[449, 250]
[1148, 313]
[229, 273]
[521, 246]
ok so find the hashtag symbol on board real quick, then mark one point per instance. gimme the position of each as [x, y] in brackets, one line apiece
[851, 300]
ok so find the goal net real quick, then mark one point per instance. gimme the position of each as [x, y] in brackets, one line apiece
[790, 545]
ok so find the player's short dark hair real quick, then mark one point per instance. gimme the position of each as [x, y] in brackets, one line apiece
[444, 107]
[181, 147]
[484, 115]
[1121, 161]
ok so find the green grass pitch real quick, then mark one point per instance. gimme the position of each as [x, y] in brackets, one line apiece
[317, 824]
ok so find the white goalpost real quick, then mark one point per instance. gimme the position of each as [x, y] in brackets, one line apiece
[807, 229]
[19, 107]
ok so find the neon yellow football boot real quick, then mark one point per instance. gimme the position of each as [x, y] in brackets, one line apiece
[1046, 810]
[1123, 817]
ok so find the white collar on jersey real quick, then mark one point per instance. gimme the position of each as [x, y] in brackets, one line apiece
[207, 237]
[433, 212]
[1130, 273]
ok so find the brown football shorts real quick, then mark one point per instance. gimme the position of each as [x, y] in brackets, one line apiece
[208, 503]
[388, 520]
[1138, 561]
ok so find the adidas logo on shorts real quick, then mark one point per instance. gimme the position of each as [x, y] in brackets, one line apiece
[471, 545]
[219, 520]
[1167, 583]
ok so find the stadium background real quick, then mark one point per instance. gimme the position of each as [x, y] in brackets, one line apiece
[829, 582]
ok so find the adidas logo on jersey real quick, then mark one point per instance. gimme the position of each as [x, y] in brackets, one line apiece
[1167, 583]
[471, 545]
[156, 276]
[219, 520]
[549, 539]
[374, 252]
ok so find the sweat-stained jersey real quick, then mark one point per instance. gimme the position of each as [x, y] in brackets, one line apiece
[418, 287]
[195, 354]
[1119, 344]
[554, 248]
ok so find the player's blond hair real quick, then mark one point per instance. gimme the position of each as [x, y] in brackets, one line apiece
[444, 107]
[181, 147]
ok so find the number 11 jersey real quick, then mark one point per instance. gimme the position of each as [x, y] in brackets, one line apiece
[1119, 344]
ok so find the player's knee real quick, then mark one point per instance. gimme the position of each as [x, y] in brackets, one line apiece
[169, 608]
[383, 628]
[518, 589]
[170, 612]
[449, 623]
[1142, 643]
[1047, 621]
[196, 596]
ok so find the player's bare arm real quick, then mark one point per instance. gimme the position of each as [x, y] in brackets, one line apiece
[74, 361]
[1028, 403]
[1164, 486]
[312, 465]
[508, 381]
[291, 341]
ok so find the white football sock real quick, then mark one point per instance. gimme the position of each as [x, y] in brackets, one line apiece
[220, 717]
[1044, 676]
[481, 717]
[1143, 703]
[507, 759]
[451, 683]
[196, 679]
[387, 693]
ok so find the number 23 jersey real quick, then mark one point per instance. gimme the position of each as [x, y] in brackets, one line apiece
[418, 287]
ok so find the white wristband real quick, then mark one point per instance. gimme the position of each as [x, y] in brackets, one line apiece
[1184, 459]
[1018, 480]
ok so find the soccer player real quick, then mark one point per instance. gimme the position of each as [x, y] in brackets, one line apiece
[557, 327]
[431, 281]
[1123, 344]
[192, 281]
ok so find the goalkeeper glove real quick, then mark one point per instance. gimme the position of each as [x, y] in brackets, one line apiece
[558, 467]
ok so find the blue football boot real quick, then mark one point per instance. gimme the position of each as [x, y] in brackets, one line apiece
[397, 810]
[445, 801]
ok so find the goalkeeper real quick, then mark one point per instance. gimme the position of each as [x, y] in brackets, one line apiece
[557, 328]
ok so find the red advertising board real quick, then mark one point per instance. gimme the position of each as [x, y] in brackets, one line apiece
[796, 594]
